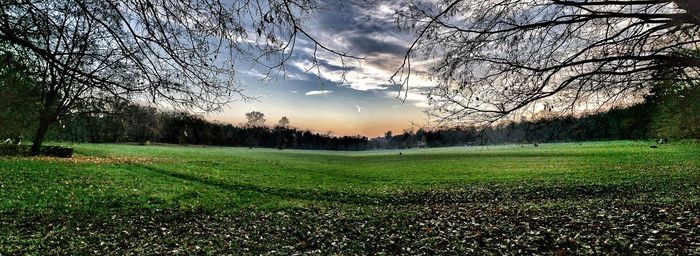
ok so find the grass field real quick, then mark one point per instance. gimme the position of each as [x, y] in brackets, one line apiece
[603, 197]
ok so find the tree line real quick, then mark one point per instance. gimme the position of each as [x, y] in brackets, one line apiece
[127, 122]
[671, 116]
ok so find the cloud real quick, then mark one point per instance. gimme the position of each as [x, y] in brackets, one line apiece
[376, 44]
[366, 29]
[253, 73]
[415, 96]
[323, 92]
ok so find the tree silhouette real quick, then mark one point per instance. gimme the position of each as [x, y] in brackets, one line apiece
[499, 58]
[255, 119]
[283, 122]
[180, 53]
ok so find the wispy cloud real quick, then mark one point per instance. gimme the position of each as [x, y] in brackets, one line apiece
[415, 96]
[323, 92]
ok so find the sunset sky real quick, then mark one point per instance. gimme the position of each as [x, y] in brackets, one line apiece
[367, 104]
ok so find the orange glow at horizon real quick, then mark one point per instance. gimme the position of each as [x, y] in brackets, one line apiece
[371, 125]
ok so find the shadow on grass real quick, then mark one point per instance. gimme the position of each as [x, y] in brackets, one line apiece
[478, 193]
[298, 194]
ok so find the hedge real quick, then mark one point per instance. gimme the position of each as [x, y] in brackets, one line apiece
[23, 150]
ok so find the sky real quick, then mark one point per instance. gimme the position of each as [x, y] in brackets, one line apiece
[366, 103]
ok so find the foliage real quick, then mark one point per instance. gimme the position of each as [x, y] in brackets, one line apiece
[677, 112]
[24, 150]
[57, 151]
[20, 98]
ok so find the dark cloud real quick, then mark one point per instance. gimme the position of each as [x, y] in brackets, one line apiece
[365, 45]
[333, 68]
[360, 26]
[392, 63]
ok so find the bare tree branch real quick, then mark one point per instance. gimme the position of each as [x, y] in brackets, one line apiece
[500, 58]
[181, 53]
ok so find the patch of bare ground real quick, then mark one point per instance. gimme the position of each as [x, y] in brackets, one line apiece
[99, 160]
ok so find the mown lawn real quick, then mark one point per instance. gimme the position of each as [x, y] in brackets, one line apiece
[581, 198]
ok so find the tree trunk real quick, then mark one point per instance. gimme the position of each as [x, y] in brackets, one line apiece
[44, 123]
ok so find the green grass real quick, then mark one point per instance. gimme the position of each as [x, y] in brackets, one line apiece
[231, 178]
[128, 180]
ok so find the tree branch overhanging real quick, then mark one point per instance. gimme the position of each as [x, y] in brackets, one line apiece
[180, 53]
[500, 58]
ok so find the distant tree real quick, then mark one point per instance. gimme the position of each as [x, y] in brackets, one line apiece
[144, 123]
[283, 122]
[255, 119]
[499, 58]
[420, 138]
[181, 53]
[408, 138]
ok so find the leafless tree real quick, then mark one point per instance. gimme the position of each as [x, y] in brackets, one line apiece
[177, 52]
[255, 119]
[283, 122]
[499, 58]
